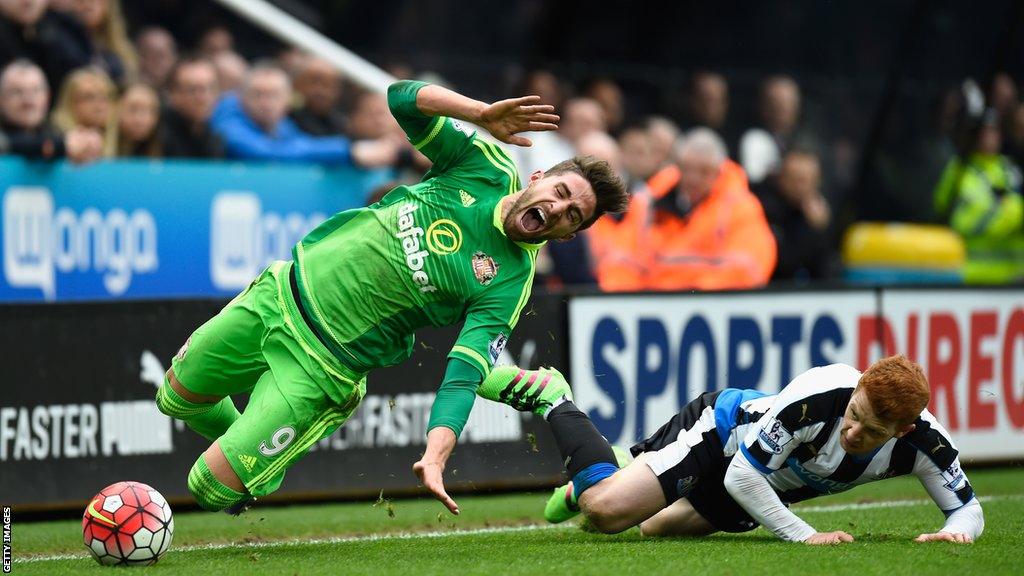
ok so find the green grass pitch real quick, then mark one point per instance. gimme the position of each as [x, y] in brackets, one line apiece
[504, 534]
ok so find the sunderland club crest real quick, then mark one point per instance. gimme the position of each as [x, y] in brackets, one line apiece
[484, 268]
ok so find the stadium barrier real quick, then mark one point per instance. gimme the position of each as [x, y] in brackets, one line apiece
[77, 410]
[636, 358]
[158, 229]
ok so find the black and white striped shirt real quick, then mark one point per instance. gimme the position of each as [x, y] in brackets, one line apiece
[792, 440]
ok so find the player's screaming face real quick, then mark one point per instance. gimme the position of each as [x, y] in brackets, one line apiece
[862, 431]
[551, 207]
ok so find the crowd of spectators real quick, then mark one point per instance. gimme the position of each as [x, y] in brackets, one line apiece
[76, 85]
[720, 200]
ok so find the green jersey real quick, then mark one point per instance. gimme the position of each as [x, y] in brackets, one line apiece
[433, 253]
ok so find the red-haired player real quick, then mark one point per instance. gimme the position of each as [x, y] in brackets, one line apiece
[733, 459]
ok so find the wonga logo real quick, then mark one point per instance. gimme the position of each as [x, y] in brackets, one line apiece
[244, 238]
[39, 242]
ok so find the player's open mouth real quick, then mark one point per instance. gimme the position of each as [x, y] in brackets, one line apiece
[533, 220]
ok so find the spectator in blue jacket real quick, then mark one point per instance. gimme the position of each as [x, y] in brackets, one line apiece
[254, 125]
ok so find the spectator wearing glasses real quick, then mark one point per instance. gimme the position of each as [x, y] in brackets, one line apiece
[24, 102]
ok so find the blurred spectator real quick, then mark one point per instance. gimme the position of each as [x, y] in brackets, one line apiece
[638, 161]
[1004, 94]
[231, 70]
[980, 197]
[66, 6]
[614, 240]
[115, 55]
[1006, 103]
[215, 40]
[254, 125]
[708, 101]
[318, 83]
[185, 131]
[762, 148]
[370, 117]
[580, 116]
[603, 147]
[400, 70]
[1014, 145]
[607, 93]
[138, 117]
[663, 134]
[54, 40]
[708, 231]
[546, 85]
[799, 217]
[86, 100]
[24, 103]
[292, 60]
[157, 53]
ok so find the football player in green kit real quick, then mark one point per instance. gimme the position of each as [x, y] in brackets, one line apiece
[459, 246]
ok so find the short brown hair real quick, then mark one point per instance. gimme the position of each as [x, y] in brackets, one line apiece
[185, 62]
[896, 388]
[608, 187]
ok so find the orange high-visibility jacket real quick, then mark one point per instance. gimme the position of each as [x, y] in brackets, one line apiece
[616, 246]
[724, 242]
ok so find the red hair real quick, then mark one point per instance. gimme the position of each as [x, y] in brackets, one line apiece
[896, 388]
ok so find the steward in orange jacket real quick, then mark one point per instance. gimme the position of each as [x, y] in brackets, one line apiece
[617, 245]
[706, 230]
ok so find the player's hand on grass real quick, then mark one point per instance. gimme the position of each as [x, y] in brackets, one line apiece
[506, 118]
[837, 537]
[945, 537]
[429, 473]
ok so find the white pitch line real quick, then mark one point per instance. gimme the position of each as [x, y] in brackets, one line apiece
[478, 531]
[887, 504]
[332, 540]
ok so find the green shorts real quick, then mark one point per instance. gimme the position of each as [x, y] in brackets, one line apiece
[300, 393]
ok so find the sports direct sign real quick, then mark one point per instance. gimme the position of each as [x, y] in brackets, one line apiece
[637, 359]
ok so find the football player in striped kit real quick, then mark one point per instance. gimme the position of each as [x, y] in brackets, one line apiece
[734, 459]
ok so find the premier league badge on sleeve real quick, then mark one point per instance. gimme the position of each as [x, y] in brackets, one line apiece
[496, 347]
[484, 268]
[773, 437]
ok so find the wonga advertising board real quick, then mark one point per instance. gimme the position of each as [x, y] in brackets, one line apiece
[140, 229]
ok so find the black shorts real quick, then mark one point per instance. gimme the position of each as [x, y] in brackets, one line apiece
[687, 456]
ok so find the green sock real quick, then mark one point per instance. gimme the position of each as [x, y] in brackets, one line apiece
[209, 492]
[209, 420]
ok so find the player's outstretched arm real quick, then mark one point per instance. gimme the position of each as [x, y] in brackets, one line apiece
[429, 469]
[751, 490]
[504, 119]
[962, 526]
[952, 493]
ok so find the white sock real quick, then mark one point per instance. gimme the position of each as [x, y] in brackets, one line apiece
[561, 400]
